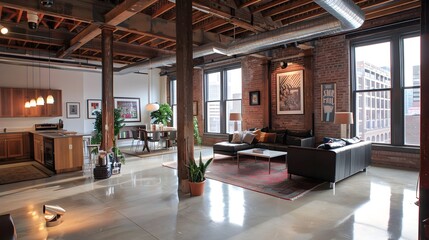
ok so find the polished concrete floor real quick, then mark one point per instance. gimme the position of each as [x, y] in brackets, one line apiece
[143, 203]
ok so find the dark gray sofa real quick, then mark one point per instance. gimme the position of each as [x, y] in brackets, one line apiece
[284, 139]
[330, 165]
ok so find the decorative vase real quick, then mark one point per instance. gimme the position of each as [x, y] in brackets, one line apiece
[197, 188]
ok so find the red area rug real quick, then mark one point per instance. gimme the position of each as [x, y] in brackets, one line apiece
[253, 175]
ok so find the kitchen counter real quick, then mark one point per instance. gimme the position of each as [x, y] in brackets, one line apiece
[58, 134]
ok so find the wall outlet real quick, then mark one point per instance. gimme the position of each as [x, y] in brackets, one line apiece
[70, 146]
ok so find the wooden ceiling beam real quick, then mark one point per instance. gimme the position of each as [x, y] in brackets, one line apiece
[224, 12]
[285, 8]
[57, 24]
[18, 19]
[75, 25]
[123, 36]
[393, 9]
[268, 5]
[163, 9]
[214, 24]
[296, 12]
[249, 3]
[115, 16]
[135, 38]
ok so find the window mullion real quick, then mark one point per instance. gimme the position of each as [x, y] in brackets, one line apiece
[397, 114]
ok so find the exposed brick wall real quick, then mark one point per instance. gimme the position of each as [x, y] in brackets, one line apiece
[395, 159]
[292, 121]
[255, 78]
[331, 57]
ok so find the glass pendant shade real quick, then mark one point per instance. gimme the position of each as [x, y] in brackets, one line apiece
[40, 101]
[27, 104]
[50, 99]
[33, 103]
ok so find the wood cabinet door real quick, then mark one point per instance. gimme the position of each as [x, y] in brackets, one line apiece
[63, 154]
[77, 152]
[54, 110]
[15, 147]
[38, 148]
[18, 99]
[3, 149]
[6, 105]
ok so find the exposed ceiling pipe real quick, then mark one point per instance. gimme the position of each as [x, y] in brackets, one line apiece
[348, 16]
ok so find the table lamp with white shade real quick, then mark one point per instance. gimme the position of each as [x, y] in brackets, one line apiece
[235, 117]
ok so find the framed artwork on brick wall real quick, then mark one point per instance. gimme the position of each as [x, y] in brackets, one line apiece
[328, 91]
[290, 92]
[254, 98]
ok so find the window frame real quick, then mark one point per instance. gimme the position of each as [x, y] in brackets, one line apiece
[396, 38]
[223, 96]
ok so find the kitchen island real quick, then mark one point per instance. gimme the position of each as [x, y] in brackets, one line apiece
[59, 151]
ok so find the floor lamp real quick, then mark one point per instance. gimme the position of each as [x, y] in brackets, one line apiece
[345, 119]
[235, 117]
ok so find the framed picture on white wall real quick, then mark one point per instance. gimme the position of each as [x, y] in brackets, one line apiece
[73, 110]
[93, 105]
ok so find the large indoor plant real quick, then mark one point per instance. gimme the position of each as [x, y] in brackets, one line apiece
[118, 124]
[197, 177]
[163, 115]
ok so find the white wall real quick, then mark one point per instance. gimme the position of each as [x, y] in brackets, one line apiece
[76, 86]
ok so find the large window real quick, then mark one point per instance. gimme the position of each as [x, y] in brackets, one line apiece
[222, 88]
[173, 100]
[386, 90]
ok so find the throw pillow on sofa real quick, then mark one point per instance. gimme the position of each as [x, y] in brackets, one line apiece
[248, 138]
[351, 140]
[291, 140]
[267, 138]
[257, 134]
[236, 137]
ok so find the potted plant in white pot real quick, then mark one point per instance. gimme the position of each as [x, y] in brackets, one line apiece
[197, 173]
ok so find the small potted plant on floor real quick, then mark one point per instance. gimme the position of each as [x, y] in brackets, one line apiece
[197, 173]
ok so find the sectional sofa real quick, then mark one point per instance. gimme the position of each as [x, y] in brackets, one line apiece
[281, 140]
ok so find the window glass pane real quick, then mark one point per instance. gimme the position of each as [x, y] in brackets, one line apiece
[233, 78]
[232, 107]
[412, 61]
[213, 86]
[213, 117]
[373, 121]
[174, 92]
[412, 116]
[373, 66]
[175, 116]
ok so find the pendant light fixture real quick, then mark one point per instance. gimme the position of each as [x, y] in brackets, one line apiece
[150, 107]
[49, 98]
[33, 101]
[27, 102]
[40, 101]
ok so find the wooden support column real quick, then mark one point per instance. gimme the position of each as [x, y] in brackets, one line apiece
[107, 87]
[424, 116]
[185, 131]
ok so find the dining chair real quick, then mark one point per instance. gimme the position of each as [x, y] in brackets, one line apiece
[136, 137]
[172, 138]
[156, 138]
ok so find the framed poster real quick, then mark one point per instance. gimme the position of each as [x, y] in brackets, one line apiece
[254, 98]
[328, 102]
[92, 105]
[290, 92]
[195, 108]
[73, 110]
[130, 108]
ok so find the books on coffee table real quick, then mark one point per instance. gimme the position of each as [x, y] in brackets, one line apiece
[258, 150]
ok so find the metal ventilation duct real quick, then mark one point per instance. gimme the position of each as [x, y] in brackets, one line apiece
[348, 16]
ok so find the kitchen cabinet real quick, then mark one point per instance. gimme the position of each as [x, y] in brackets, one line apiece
[11, 145]
[38, 148]
[68, 153]
[13, 100]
